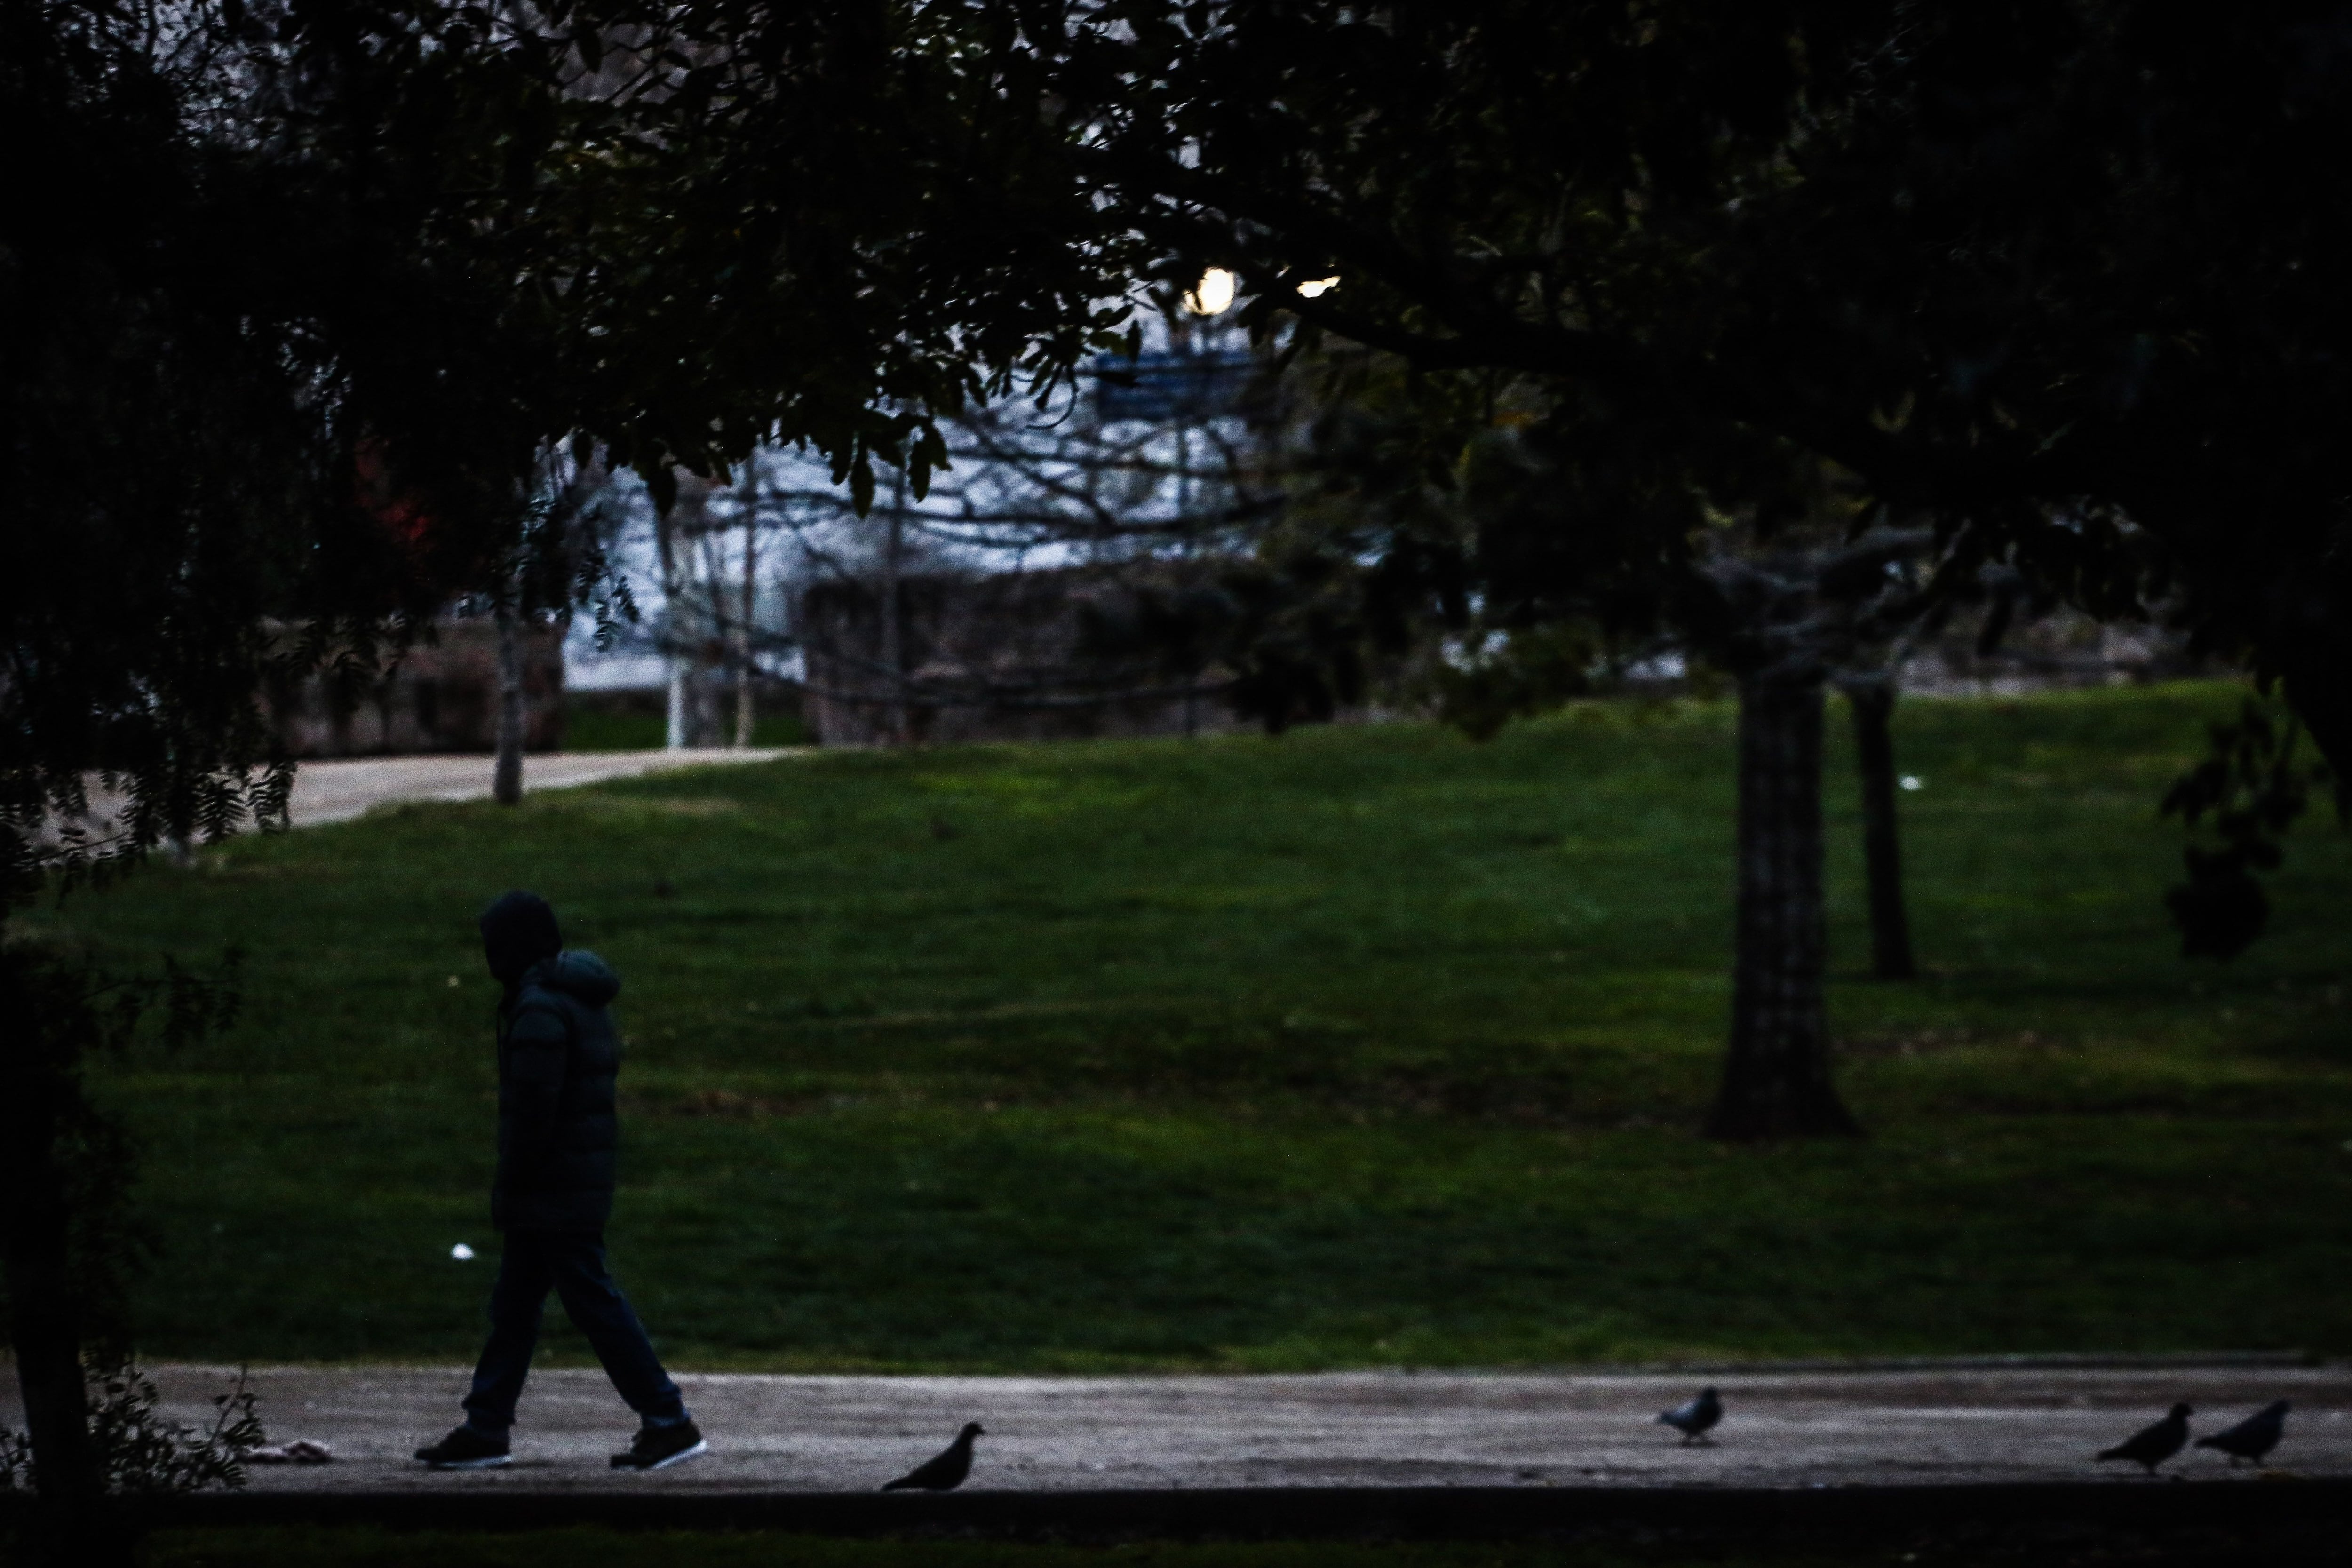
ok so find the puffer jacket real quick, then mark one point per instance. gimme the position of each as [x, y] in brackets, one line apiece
[559, 1130]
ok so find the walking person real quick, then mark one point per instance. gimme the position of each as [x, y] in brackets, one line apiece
[559, 1057]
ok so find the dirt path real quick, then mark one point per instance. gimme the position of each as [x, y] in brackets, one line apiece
[338, 789]
[1797, 1428]
[341, 788]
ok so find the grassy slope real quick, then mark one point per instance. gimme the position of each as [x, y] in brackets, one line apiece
[1359, 1045]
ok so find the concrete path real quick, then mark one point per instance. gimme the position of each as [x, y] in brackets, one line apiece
[341, 788]
[1792, 1429]
[338, 789]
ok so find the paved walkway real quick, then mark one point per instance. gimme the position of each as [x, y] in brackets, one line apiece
[341, 788]
[1795, 1428]
[338, 789]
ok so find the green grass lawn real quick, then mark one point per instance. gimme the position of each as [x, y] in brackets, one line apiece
[1358, 1046]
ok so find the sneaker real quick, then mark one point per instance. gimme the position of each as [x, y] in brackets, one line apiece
[658, 1448]
[465, 1449]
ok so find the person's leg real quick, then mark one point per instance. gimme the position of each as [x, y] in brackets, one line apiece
[516, 1299]
[586, 1288]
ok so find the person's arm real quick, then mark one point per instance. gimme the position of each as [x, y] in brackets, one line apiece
[538, 1050]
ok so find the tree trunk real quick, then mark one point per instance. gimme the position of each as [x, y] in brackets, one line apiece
[894, 643]
[505, 780]
[674, 655]
[745, 718]
[44, 1316]
[674, 734]
[1873, 700]
[1776, 1078]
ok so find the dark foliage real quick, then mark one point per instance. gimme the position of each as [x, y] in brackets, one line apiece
[298, 304]
[2043, 282]
[80, 1014]
[141, 1451]
[73, 1248]
[2051, 277]
[302, 306]
[2253, 788]
[1285, 633]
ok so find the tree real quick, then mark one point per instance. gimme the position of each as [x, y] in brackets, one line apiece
[1781, 599]
[169, 485]
[1790, 619]
[1870, 695]
[356, 268]
[1141, 484]
[1131, 479]
[2046, 280]
[199, 443]
[560, 562]
[2047, 274]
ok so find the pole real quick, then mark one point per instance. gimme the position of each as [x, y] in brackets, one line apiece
[666, 548]
[1184, 537]
[894, 645]
[749, 496]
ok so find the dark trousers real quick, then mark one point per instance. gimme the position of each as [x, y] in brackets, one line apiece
[571, 1263]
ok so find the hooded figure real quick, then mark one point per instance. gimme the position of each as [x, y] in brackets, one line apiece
[559, 1060]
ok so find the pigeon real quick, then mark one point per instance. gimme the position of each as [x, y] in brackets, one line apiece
[1695, 1419]
[944, 1471]
[2151, 1446]
[2255, 1436]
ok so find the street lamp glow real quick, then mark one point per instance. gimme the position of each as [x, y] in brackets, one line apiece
[1314, 288]
[1213, 294]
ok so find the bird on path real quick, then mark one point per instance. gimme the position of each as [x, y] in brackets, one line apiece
[943, 1471]
[1695, 1419]
[2255, 1436]
[2151, 1446]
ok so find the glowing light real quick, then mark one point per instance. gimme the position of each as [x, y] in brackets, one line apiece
[1213, 294]
[1913, 781]
[462, 1253]
[1316, 287]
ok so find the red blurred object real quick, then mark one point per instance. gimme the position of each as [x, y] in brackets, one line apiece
[380, 499]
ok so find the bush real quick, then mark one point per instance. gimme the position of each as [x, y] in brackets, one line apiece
[138, 1451]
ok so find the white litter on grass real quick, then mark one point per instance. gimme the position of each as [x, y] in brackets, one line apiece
[1913, 781]
[462, 1253]
[452, 983]
[300, 1451]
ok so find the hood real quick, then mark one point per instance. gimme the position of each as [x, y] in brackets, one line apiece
[517, 932]
[581, 974]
